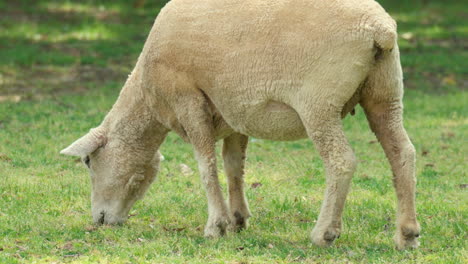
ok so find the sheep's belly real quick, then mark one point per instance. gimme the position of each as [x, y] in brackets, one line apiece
[273, 121]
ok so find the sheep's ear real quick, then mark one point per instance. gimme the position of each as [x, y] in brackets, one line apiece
[86, 144]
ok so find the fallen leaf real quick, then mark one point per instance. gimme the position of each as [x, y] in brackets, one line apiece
[68, 246]
[297, 259]
[430, 165]
[21, 248]
[4, 157]
[365, 176]
[186, 170]
[140, 240]
[425, 152]
[448, 135]
[240, 248]
[90, 228]
[270, 246]
[172, 229]
[256, 185]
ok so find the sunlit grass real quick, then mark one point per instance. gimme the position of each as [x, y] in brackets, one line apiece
[70, 7]
[46, 196]
[37, 32]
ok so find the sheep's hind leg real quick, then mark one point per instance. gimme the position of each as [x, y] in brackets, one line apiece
[386, 121]
[382, 102]
[326, 132]
[234, 149]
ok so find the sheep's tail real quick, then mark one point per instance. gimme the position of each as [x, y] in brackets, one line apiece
[385, 33]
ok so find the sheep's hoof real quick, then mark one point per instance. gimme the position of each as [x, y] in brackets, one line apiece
[217, 228]
[407, 237]
[325, 238]
[239, 222]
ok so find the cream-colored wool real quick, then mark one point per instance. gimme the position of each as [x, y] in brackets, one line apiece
[272, 69]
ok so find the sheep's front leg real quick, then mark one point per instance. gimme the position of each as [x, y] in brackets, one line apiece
[218, 217]
[234, 149]
[198, 124]
[386, 121]
[202, 138]
[327, 134]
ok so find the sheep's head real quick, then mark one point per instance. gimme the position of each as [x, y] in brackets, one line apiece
[120, 174]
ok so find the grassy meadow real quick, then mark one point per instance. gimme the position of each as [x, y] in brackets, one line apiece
[62, 64]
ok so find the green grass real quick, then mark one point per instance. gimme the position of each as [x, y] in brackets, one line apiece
[62, 64]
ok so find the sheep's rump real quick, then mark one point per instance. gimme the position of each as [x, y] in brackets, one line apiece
[259, 61]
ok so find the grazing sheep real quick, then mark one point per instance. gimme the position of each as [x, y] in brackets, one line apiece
[271, 69]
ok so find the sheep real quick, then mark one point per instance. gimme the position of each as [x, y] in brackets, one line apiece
[231, 69]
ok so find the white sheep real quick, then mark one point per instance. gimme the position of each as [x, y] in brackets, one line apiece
[271, 69]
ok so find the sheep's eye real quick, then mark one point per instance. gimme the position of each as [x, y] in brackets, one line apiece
[86, 161]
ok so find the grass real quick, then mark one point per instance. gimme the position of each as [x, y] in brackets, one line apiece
[62, 64]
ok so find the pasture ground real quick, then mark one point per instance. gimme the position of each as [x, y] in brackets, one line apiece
[62, 64]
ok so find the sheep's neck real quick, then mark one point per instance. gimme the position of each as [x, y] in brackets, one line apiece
[130, 118]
